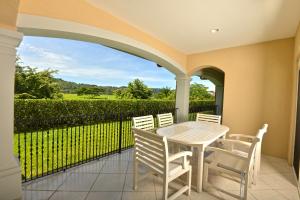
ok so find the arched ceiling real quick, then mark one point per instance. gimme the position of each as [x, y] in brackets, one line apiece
[215, 75]
[186, 25]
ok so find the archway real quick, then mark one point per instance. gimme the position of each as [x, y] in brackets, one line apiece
[217, 77]
[41, 26]
[32, 25]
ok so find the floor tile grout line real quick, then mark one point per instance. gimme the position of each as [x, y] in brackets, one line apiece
[125, 180]
[94, 181]
[67, 174]
[281, 194]
[155, 188]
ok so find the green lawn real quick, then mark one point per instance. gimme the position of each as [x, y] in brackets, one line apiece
[84, 97]
[51, 150]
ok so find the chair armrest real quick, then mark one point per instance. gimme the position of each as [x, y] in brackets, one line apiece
[229, 141]
[223, 151]
[182, 155]
[249, 138]
[233, 145]
[179, 155]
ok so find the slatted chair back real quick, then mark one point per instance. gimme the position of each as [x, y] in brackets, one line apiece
[151, 150]
[144, 122]
[262, 132]
[259, 135]
[165, 119]
[208, 118]
[251, 153]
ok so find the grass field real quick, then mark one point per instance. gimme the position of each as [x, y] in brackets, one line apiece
[82, 97]
[48, 151]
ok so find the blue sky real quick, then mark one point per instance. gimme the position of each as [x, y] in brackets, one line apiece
[84, 62]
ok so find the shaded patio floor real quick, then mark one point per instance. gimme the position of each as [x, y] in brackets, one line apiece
[110, 178]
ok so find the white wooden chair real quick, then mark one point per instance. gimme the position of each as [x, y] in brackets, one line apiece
[231, 165]
[144, 122]
[249, 139]
[165, 119]
[208, 118]
[151, 150]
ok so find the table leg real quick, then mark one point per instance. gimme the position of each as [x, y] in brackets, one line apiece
[200, 169]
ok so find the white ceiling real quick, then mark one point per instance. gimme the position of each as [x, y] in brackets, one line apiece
[186, 24]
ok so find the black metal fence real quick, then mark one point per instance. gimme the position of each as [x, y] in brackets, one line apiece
[55, 145]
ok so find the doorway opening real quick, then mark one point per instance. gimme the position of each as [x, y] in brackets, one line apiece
[217, 77]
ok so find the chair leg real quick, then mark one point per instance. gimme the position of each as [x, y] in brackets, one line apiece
[258, 157]
[205, 175]
[250, 179]
[165, 188]
[254, 176]
[189, 181]
[244, 186]
[135, 174]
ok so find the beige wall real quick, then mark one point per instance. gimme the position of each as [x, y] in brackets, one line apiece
[294, 94]
[257, 89]
[98, 18]
[297, 43]
[8, 13]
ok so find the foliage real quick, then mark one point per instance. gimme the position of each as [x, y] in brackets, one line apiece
[123, 94]
[35, 84]
[139, 90]
[24, 96]
[199, 92]
[93, 91]
[69, 87]
[88, 97]
[165, 93]
[135, 90]
[43, 109]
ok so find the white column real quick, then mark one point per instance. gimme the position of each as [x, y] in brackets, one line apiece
[10, 174]
[182, 97]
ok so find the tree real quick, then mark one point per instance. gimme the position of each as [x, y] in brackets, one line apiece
[123, 93]
[30, 83]
[165, 93]
[139, 90]
[200, 92]
[135, 90]
[93, 91]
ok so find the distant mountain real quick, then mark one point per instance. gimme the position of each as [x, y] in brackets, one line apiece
[71, 87]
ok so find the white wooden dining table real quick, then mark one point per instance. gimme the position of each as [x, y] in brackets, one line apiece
[195, 134]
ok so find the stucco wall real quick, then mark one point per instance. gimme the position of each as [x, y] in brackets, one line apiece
[257, 89]
[297, 43]
[8, 14]
[294, 82]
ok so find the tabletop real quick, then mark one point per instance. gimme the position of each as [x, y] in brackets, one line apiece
[193, 133]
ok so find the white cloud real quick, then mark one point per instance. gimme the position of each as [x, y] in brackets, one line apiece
[67, 66]
[46, 54]
[152, 79]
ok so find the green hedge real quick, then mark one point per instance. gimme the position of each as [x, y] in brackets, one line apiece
[33, 110]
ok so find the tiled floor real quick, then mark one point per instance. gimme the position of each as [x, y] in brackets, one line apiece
[111, 179]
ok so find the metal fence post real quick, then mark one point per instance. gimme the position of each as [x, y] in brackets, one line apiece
[120, 133]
